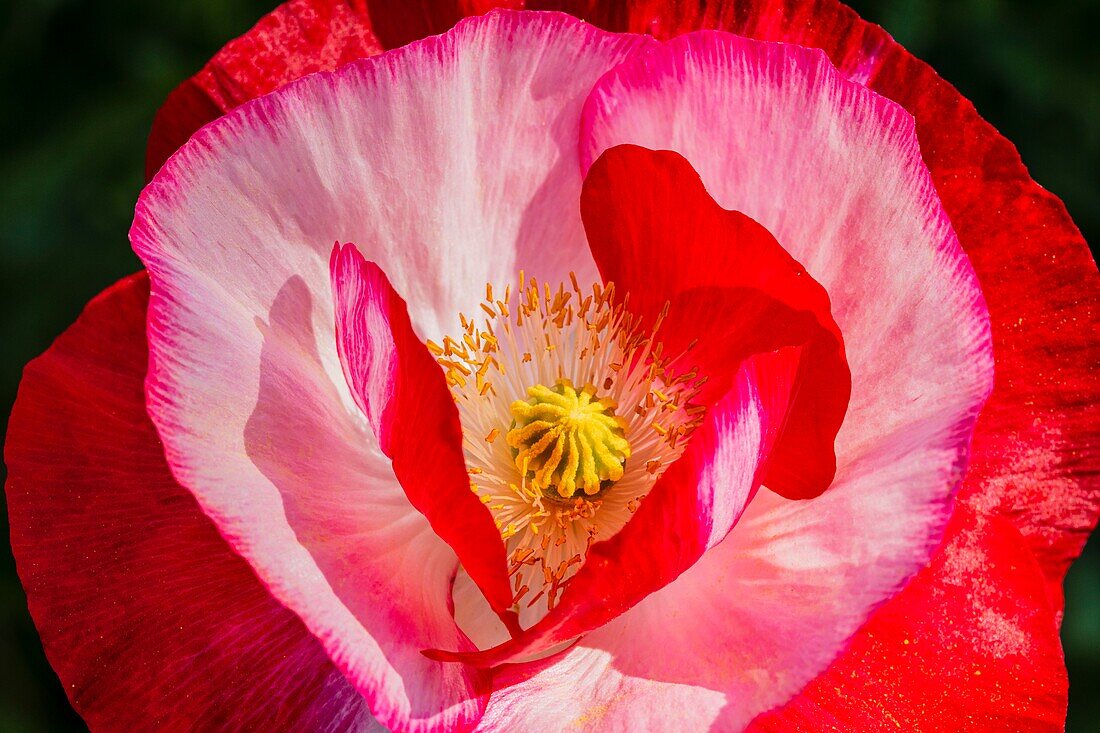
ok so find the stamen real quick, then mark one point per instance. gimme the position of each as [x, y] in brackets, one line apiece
[567, 440]
[575, 464]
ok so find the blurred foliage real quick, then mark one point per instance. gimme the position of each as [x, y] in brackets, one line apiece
[83, 79]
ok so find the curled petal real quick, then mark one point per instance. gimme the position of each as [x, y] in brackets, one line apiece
[399, 386]
[732, 291]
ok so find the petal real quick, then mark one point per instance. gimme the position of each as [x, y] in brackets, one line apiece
[150, 619]
[970, 644]
[236, 231]
[662, 239]
[297, 38]
[1034, 460]
[296, 484]
[400, 388]
[690, 509]
[1035, 455]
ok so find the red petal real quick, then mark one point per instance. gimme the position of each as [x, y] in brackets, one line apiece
[397, 24]
[150, 619]
[690, 509]
[657, 233]
[297, 38]
[399, 386]
[970, 644]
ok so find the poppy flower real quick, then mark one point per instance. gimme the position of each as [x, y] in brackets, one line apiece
[648, 365]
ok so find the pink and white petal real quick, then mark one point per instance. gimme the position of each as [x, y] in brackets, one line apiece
[400, 388]
[306, 497]
[835, 173]
[150, 619]
[690, 509]
[236, 231]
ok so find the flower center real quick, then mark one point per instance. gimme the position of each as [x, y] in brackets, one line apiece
[560, 467]
[567, 441]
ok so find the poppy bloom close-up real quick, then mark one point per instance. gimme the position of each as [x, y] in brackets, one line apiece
[605, 366]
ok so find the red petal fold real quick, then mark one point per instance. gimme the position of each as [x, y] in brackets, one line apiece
[149, 618]
[657, 233]
[401, 389]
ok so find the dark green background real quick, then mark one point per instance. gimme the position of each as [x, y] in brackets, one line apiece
[80, 81]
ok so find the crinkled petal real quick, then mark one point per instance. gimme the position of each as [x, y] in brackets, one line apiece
[150, 619]
[400, 388]
[297, 38]
[731, 291]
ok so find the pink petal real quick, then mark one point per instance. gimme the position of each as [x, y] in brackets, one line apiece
[150, 619]
[245, 385]
[400, 388]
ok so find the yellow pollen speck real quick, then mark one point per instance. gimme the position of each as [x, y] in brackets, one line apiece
[567, 440]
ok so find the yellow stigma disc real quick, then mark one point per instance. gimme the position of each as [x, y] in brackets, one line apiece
[567, 440]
